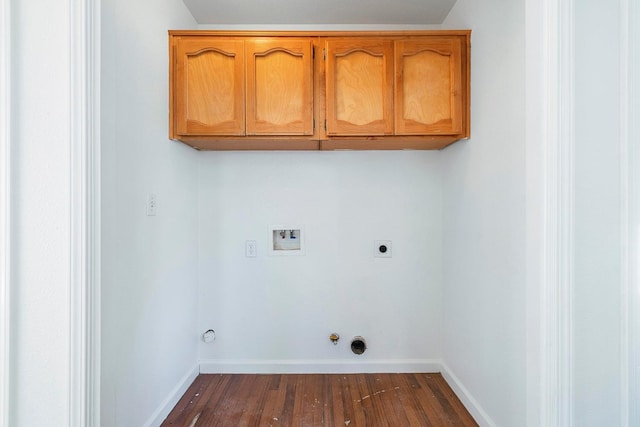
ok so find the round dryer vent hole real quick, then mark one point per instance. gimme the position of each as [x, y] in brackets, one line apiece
[358, 345]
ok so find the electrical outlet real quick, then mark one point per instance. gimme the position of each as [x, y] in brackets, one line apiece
[250, 249]
[382, 249]
[152, 204]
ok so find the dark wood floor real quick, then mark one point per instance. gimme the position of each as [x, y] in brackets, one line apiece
[353, 400]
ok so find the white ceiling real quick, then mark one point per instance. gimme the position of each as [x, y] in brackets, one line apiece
[313, 12]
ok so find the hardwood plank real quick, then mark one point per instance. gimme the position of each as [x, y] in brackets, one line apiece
[359, 416]
[286, 416]
[253, 404]
[459, 411]
[411, 401]
[274, 401]
[327, 399]
[315, 389]
[187, 404]
[390, 399]
[299, 400]
[199, 398]
[221, 408]
[431, 406]
[338, 409]
[351, 400]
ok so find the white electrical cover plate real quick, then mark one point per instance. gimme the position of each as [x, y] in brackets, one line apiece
[286, 240]
[250, 248]
[152, 204]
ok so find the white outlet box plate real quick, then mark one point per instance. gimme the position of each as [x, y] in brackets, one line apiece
[250, 249]
[286, 240]
[152, 204]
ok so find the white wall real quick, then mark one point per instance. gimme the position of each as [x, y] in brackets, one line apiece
[484, 218]
[484, 305]
[40, 229]
[149, 263]
[276, 313]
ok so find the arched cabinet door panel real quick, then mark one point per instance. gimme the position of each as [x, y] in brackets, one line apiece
[359, 87]
[428, 86]
[209, 90]
[279, 86]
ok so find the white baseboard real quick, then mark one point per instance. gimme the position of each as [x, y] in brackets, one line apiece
[346, 366]
[167, 405]
[467, 399]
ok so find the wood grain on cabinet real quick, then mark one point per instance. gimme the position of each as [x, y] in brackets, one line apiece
[279, 86]
[209, 88]
[428, 86]
[359, 87]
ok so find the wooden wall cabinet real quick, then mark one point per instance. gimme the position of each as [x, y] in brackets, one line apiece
[242, 93]
[312, 90]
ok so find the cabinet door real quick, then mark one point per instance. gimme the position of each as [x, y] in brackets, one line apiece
[359, 85]
[428, 92]
[279, 87]
[209, 91]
